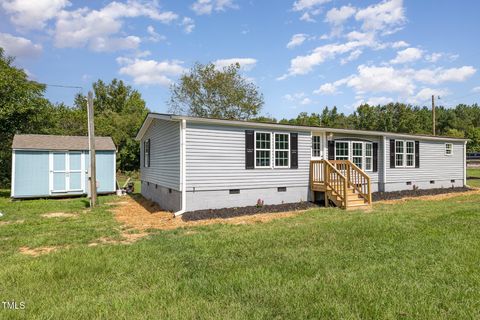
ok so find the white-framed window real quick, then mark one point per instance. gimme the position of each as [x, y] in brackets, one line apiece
[368, 156]
[410, 154]
[448, 149]
[357, 154]
[399, 153]
[316, 146]
[282, 150]
[146, 153]
[341, 150]
[263, 150]
[404, 154]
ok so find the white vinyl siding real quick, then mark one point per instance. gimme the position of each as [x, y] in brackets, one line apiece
[434, 165]
[164, 164]
[216, 161]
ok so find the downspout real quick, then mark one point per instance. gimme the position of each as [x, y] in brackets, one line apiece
[384, 169]
[183, 165]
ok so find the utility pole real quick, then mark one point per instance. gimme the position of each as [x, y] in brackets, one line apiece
[91, 147]
[433, 114]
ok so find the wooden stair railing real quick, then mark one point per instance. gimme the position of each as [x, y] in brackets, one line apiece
[339, 179]
[357, 178]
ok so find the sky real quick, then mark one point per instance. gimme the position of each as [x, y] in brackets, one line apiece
[302, 54]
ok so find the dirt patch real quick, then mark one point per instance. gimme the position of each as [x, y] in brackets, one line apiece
[141, 214]
[226, 213]
[433, 197]
[4, 223]
[128, 238]
[35, 252]
[396, 195]
[58, 215]
[116, 203]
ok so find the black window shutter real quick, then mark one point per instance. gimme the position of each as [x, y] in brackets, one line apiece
[331, 150]
[249, 149]
[392, 153]
[293, 150]
[417, 154]
[375, 156]
[149, 152]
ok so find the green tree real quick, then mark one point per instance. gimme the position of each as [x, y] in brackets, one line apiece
[21, 106]
[208, 92]
[119, 113]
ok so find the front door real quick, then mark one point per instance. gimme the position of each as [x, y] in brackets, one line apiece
[67, 172]
[318, 146]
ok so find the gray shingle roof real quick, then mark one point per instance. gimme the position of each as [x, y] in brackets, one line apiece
[50, 142]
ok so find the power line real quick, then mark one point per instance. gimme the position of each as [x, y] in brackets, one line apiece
[62, 86]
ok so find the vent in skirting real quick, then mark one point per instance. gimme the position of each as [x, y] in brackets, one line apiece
[452, 181]
[282, 189]
[409, 183]
[432, 181]
[169, 190]
[234, 191]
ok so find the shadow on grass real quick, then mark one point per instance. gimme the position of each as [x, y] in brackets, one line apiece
[150, 206]
[4, 193]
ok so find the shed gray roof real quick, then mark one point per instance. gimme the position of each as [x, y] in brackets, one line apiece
[50, 142]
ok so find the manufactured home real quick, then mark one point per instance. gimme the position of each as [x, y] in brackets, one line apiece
[49, 166]
[190, 163]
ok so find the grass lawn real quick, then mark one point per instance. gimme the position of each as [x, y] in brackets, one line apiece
[473, 173]
[411, 260]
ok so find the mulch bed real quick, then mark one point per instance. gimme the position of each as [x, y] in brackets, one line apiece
[378, 196]
[245, 211]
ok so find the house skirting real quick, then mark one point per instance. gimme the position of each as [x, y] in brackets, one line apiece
[167, 198]
[423, 184]
[218, 199]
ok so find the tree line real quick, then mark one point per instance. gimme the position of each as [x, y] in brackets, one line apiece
[203, 91]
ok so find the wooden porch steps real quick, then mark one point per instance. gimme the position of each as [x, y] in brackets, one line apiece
[343, 183]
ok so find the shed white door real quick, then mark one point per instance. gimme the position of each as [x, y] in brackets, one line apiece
[67, 172]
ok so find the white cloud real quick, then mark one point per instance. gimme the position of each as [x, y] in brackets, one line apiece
[101, 44]
[28, 14]
[425, 94]
[338, 16]
[403, 82]
[86, 27]
[476, 89]
[310, 8]
[440, 75]
[407, 55]
[326, 88]
[297, 39]
[301, 5]
[151, 72]
[154, 36]
[399, 44]
[380, 79]
[433, 57]
[305, 64]
[208, 6]
[354, 55]
[245, 63]
[379, 100]
[385, 16]
[298, 98]
[188, 24]
[19, 46]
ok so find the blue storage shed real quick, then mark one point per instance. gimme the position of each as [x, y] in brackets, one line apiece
[49, 165]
